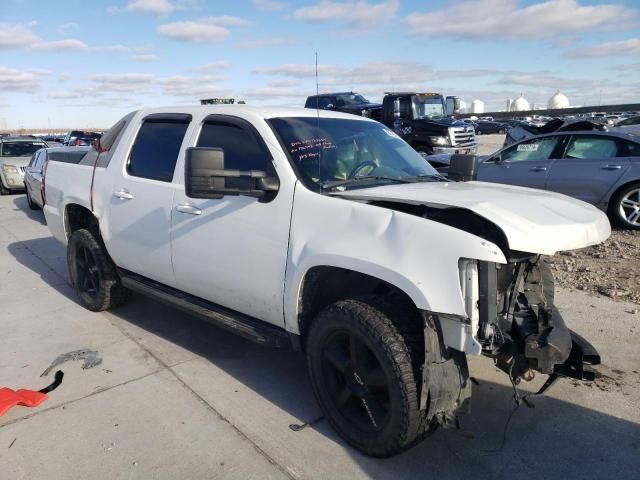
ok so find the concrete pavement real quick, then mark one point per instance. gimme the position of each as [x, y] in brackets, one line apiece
[177, 397]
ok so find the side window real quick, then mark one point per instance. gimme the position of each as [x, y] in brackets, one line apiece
[42, 157]
[324, 102]
[633, 149]
[155, 150]
[536, 149]
[34, 159]
[592, 148]
[241, 148]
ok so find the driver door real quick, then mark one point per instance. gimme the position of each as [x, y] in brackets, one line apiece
[525, 164]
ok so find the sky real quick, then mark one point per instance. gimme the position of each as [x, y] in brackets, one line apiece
[85, 63]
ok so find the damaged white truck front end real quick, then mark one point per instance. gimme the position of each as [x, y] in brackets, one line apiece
[469, 255]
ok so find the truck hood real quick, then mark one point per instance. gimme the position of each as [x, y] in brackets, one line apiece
[17, 161]
[533, 221]
[443, 122]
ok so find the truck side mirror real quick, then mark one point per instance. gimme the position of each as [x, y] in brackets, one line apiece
[463, 168]
[452, 105]
[206, 177]
[396, 108]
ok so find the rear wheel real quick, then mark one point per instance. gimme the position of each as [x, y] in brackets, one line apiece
[363, 375]
[93, 274]
[32, 205]
[624, 207]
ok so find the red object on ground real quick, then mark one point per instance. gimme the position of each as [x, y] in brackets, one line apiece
[10, 398]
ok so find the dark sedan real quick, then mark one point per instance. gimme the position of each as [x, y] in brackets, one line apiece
[34, 172]
[601, 168]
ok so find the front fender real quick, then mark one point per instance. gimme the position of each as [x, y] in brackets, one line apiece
[418, 256]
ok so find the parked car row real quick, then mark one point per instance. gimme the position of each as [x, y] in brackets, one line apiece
[18, 153]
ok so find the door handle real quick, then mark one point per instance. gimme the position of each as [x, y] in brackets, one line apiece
[188, 208]
[612, 167]
[539, 169]
[123, 194]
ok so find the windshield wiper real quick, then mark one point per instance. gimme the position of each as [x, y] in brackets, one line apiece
[349, 181]
[429, 176]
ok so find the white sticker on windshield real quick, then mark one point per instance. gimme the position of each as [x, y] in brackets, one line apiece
[391, 133]
[528, 147]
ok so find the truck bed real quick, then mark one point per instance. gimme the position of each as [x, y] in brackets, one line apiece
[65, 183]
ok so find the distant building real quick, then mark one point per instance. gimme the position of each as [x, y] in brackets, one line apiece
[509, 104]
[477, 106]
[520, 104]
[559, 100]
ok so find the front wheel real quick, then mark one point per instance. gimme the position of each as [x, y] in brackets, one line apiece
[4, 190]
[625, 207]
[93, 274]
[362, 374]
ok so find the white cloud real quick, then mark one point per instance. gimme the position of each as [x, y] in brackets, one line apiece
[624, 47]
[633, 67]
[193, 87]
[122, 82]
[358, 13]
[69, 26]
[500, 19]
[266, 42]
[144, 57]
[193, 32]
[227, 20]
[212, 67]
[68, 44]
[12, 80]
[155, 7]
[16, 36]
[268, 5]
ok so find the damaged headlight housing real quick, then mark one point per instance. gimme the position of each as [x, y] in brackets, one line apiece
[469, 287]
[443, 141]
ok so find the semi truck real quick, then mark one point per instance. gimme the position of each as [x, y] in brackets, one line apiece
[424, 120]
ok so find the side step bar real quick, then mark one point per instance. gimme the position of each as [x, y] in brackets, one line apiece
[238, 323]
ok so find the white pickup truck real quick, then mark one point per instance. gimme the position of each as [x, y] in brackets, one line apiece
[327, 233]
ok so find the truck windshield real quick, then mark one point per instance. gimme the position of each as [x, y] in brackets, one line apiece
[19, 149]
[350, 99]
[428, 107]
[331, 152]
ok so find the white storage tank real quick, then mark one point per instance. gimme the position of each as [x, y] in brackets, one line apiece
[520, 104]
[559, 100]
[477, 106]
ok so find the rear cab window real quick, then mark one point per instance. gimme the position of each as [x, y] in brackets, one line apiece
[155, 150]
[591, 147]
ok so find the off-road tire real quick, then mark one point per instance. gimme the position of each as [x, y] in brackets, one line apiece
[396, 346]
[109, 292]
[614, 207]
[4, 190]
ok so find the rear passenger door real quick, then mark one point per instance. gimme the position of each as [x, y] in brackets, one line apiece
[590, 167]
[139, 211]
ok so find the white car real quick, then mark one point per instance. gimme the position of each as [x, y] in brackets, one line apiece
[327, 233]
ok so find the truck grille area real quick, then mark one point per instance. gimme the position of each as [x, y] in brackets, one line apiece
[462, 136]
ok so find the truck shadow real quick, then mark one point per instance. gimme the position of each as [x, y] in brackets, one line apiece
[555, 439]
[20, 201]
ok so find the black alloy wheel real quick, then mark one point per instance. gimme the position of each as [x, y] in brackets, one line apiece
[356, 381]
[93, 273]
[87, 273]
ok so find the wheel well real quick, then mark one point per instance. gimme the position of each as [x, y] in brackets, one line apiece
[325, 285]
[77, 217]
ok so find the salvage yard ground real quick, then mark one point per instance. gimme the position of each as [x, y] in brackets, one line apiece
[178, 398]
